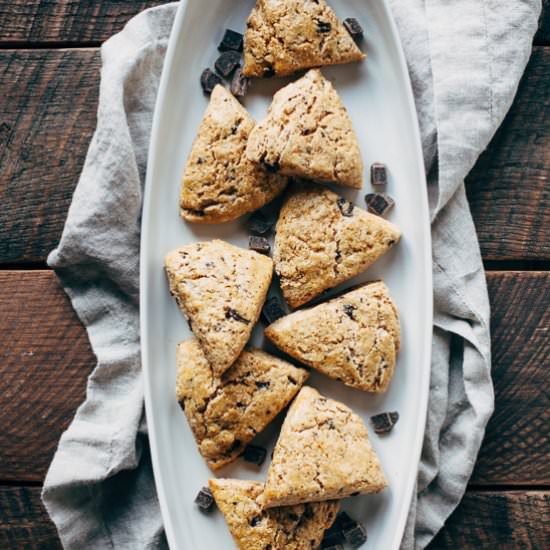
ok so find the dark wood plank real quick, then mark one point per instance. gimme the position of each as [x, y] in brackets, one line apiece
[509, 189]
[66, 21]
[517, 442]
[24, 522]
[48, 117]
[482, 521]
[46, 357]
[498, 521]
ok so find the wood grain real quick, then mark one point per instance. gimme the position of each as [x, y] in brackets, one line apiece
[49, 114]
[66, 21]
[46, 357]
[47, 118]
[509, 189]
[515, 520]
[517, 442]
[482, 521]
[24, 522]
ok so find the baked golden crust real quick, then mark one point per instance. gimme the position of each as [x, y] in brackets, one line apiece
[285, 36]
[298, 527]
[225, 413]
[354, 338]
[323, 453]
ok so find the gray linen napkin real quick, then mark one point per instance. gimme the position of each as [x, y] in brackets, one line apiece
[465, 59]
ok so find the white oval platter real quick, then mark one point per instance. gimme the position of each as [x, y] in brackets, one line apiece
[379, 99]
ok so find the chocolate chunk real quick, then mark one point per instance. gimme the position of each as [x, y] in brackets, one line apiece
[230, 313]
[346, 207]
[272, 310]
[231, 40]
[239, 83]
[254, 454]
[254, 521]
[333, 539]
[384, 422]
[354, 28]
[262, 385]
[356, 536]
[259, 223]
[259, 244]
[293, 517]
[323, 26]
[272, 168]
[204, 500]
[348, 310]
[269, 71]
[379, 203]
[378, 174]
[227, 62]
[209, 80]
[343, 521]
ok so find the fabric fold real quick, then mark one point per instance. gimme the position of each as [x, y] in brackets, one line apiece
[465, 58]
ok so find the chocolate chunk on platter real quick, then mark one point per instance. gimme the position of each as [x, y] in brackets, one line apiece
[385, 131]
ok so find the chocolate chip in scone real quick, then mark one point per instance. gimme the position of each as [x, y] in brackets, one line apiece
[348, 310]
[356, 536]
[271, 167]
[384, 422]
[378, 174]
[260, 224]
[259, 244]
[232, 40]
[346, 207]
[323, 26]
[227, 62]
[379, 203]
[354, 28]
[204, 500]
[239, 83]
[272, 310]
[254, 521]
[269, 71]
[261, 385]
[209, 80]
[231, 313]
[254, 454]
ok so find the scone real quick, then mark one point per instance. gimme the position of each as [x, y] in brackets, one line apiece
[221, 289]
[323, 240]
[298, 527]
[323, 453]
[354, 338]
[285, 36]
[219, 183]
[225, 413]
[308, 133]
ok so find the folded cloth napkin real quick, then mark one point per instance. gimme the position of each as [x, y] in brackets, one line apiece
[465, 59]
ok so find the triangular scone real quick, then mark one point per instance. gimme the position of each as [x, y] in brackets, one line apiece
[323, 240]
[219, 183]
[225, 413]
[353, 338]
[323, 453]
[221, 290]
[298, 527]
[308, 133]
[285, 36]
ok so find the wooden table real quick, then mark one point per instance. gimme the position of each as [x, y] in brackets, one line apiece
[49, 62]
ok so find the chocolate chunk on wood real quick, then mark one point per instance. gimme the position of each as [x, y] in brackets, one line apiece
[254, 454]
[378, 174]
[227, 62]
[209, 80]
[231, 40]
[272, 310]
[384, 422]
[259, 223]
[259, 244]
[239, 83]
[204, 499]
[345, 207]
[379, 203]
[356, 536]
[354, 28]
[231, 313]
